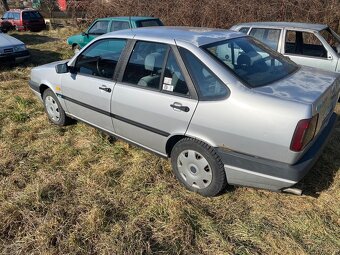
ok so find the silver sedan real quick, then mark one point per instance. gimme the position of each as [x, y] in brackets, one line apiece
[221, 105]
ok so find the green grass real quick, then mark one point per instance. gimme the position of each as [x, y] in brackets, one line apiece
[72, 190]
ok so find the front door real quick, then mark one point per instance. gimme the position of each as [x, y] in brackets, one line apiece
[98, 28]
[153, 100]
[88, 89]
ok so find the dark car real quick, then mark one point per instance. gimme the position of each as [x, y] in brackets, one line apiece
[22, 20]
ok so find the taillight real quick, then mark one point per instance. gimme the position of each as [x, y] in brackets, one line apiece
[304, 133]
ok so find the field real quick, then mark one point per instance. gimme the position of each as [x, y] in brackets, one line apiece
[72, 190]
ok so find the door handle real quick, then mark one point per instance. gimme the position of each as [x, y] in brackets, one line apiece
[106, 89]
[180, 107]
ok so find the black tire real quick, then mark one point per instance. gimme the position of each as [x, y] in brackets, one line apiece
[62, 120]
[76, 48]
[218, 181]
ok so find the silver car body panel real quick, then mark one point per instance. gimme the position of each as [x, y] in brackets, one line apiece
[258, 122]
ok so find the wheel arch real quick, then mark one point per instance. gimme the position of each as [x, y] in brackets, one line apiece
[171, 142]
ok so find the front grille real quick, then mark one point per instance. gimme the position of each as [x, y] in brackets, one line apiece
[9, 50]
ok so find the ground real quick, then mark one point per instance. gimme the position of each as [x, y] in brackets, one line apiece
[72, 190]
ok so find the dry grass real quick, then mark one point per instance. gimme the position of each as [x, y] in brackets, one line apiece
[72, 191]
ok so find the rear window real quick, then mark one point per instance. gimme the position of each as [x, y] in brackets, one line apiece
[251, 61]
[149, 23]
[31, 15]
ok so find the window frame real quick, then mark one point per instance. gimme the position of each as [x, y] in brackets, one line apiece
[94, 23]
[129, 51]
[113, 78]
[200, 96]
[316, 34]
[119, 21]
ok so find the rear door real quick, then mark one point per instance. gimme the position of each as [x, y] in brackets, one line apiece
[306, 48]
[153, 98]
[88, 89]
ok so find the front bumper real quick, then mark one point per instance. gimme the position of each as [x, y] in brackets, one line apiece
[14, 57]
[250, 171]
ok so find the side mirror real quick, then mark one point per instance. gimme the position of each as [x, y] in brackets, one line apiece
[84, 34]
[62, 68]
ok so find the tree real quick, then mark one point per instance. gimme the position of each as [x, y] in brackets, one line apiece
[4, 5]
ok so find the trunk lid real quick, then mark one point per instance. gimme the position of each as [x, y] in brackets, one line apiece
[308, 85]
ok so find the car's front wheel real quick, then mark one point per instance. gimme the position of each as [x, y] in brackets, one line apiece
[198, 167]
[55, 112]
[76, 48]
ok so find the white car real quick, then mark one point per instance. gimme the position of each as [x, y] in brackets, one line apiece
[314, 45]
[12, 50]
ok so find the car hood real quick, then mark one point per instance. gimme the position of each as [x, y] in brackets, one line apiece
[8, 41]
[304, 86]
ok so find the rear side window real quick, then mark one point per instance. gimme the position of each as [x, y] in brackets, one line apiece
[244, 30]
[5, 15]
[209, 86]
[268, 36]
[173, 81]
[32, 15]
[10, 15]
[305, 44]
[145, 64]
[119, 25]
[149, 23]
[101, 58]
[16, 16]
[99, 28]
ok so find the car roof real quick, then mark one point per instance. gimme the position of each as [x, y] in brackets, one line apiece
[311, 26]
[197, 36]
[127, 18]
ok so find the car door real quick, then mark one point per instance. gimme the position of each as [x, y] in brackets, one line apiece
[87, 89]
[98, 28]
[153, 98]
[306, 48]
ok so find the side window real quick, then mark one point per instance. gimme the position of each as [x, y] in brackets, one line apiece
[173, 78]
[99, 28]
[5, 16]
[244, 30]
[101, 58]
[119, 25]
[268, 36]
[16, 16]
[145, 64]
[10, 15]
[304, 43]
[209, 86]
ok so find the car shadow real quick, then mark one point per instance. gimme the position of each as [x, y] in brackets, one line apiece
[33, 38]
[321, 177]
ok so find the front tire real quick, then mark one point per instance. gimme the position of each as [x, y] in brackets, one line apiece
[53, 109]
[198, 167]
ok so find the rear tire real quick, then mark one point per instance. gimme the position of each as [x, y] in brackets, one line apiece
[53, 109]
[198, 167]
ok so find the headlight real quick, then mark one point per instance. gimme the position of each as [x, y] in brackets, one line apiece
[20, 47]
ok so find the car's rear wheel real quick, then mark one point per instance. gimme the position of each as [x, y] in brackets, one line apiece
[198, 167]
[54, 111]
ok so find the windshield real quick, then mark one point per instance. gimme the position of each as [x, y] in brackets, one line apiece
[332, 39]
[250, 60]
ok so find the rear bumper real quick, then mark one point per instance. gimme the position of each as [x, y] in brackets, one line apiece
[250, 171]
[15, 56]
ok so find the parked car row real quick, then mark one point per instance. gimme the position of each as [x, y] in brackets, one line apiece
[224, 107]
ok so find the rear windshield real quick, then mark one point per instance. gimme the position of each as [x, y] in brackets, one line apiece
[149, 23]
[251, 61]
[31, 15]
